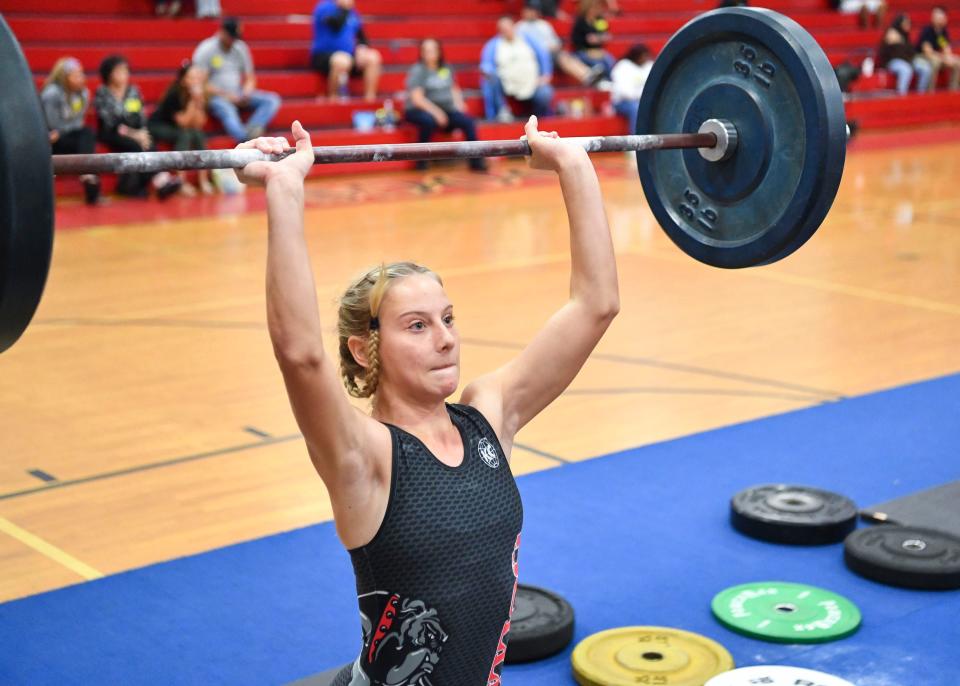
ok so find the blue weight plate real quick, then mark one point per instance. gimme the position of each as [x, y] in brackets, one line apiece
[26, 193]
[763, 72]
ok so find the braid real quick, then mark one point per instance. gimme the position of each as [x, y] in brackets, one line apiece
[372, 378]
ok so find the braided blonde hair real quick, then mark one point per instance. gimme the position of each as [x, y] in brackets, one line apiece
[359, 308]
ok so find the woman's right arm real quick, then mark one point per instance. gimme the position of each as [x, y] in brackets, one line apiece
[335, 432]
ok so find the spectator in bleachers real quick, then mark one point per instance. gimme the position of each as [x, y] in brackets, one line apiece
[865, 10]
[340, 48]
[165, 8]
[122, 127]
[534, 25]
[591, 32]
[232, 83]
[934, 45]
[898, 56]
[629, 76]
[208, 9]
[180, 117]
[65, 99]
[513, 65]
[434, 101]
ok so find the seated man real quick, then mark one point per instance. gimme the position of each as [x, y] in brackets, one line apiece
[340, 47]
[232, 84]
[934, 46]
[515, 65]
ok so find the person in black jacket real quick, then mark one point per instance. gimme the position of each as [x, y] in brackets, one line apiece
[897, 55]
[122, 127]
[590, 34]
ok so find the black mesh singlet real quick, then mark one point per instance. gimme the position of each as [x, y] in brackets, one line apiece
[436, 584]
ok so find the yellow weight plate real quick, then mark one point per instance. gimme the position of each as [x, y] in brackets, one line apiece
[634, 655]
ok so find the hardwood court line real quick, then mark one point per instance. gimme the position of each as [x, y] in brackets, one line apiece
[151, 465]
[243, 447]
[49, 550]
[822, 285]
[680, 367]
[541, 453]
[728, 392]
[156, 316]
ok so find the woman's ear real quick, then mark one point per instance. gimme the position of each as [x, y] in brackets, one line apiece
[358, 348]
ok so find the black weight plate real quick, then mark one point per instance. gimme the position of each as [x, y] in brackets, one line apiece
[904, 556]
[799, 515]
[541, 626]
[26, 193]
[764, 73]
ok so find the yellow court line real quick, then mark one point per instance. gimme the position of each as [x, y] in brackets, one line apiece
[820, 284]
[51, 551]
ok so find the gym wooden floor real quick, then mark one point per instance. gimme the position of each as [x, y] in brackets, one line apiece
[147, 390]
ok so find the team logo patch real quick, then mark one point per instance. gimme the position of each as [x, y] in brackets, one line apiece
[488, 453]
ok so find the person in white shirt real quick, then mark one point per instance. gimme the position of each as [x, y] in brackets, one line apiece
[515, 65]
[629, 76]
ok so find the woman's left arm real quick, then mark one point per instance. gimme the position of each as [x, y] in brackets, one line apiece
[514, 394]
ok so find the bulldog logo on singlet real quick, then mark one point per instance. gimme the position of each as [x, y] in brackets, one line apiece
[488, 453]
[403, 647]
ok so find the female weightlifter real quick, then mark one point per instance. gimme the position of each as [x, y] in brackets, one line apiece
[422, 492]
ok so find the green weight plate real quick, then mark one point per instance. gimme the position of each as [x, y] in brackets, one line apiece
[786, 612]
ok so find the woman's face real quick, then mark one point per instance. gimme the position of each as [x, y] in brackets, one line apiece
[76, 80]
[419, 342]
[120, 76]
[193, 78]
[430, 53]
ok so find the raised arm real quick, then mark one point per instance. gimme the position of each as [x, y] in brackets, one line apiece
[514, 394]
[333, 428]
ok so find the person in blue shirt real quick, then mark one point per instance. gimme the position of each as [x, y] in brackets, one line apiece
[517, 66]
[340, 48]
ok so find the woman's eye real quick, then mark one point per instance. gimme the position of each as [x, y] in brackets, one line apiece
[448, 320]
[417, 326]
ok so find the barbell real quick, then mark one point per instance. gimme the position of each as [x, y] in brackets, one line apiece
[740, 144]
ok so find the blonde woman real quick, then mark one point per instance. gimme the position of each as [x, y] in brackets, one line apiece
[65, 99]
[422, 492]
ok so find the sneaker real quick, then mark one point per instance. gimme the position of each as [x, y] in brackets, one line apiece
[421, 165]
[169, 188]
[91, 190]
[594, 76]
[254, 132]
[505, 115]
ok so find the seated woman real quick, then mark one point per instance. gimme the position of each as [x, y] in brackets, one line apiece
[434, 100]
[122, 127]
[591, 32]
[898, 56]
[65, 100]
[180, 117]
[629, 76]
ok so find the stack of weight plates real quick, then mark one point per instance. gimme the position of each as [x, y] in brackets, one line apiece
[541, 625]
[911, 557]
[799, 515]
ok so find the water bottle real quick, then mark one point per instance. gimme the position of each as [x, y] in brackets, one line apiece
[390, 115]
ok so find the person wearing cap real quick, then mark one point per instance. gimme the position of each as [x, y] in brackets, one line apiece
[232, 83]
[65, 99]
[340, 48]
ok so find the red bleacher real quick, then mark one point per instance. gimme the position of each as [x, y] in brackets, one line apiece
[279, 33]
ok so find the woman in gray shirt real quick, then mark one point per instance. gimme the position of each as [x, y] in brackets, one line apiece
[434, 100]
[65, 99]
